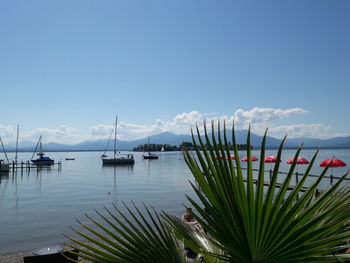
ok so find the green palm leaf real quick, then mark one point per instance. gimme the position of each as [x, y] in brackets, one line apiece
[253, 223]
[131, 237]
[245, 220]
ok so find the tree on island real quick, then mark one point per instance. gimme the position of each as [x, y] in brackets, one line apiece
[155, 147]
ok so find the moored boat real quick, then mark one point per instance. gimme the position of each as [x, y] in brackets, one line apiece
[43, 161]
[118, 159]
[4, 166]
[149, 155]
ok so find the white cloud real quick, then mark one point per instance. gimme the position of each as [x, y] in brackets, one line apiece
[263, 115]
[258, 118]
[182, 123]
[314, 130]
[6, 131]
[101, 131]
[62, 134]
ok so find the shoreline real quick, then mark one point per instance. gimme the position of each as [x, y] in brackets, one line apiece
[17, 256]
[14, 257]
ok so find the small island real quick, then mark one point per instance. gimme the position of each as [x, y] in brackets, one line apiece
[168, 148]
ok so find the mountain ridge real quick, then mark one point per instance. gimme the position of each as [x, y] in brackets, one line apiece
[176, 139]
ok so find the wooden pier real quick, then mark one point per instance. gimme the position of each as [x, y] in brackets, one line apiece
[28, 165]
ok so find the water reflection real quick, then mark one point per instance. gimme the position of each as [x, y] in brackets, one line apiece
[38, 205]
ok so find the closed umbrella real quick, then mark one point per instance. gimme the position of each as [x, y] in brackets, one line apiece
[334, 163]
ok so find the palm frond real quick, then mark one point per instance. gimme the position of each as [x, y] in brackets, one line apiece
[253, 223]
[130, 237]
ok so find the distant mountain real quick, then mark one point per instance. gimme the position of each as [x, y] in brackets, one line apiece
[176, 139]
[336, 142]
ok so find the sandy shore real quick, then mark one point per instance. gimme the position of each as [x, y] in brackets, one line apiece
[17, 257]
[14, 257]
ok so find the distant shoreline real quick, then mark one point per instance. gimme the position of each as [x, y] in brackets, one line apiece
[125, 150]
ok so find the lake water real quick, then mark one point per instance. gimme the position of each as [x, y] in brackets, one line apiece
[37, 207]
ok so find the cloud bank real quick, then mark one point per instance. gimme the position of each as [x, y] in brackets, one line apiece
[258, 118]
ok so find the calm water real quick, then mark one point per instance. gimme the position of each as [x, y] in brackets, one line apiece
[36, 208]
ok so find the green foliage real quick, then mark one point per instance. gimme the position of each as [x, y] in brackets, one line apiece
[128, 239]
[155, 148]
[244, 222]
[252, 223]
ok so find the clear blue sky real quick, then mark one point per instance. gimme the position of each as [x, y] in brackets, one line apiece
[78, 63]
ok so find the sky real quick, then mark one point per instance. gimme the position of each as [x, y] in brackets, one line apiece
[67, 68]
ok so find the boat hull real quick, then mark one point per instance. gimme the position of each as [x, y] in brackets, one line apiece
[150, 157]
[118, 161]
[43, 162]
[4, 167]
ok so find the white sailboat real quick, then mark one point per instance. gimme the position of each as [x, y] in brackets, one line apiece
[4, 165]
[119, 159]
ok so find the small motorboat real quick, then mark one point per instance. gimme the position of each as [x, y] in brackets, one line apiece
[150, 156]
[70, 159]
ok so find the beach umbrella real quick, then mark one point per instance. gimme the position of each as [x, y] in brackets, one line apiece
[334, 163]
[252, 158]
[270, 159]
[232, 157]
[300, 160]
[226, 157]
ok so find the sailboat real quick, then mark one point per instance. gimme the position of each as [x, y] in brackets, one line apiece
[4, 165]
[41, 160]
[149, 155]
[119, 159]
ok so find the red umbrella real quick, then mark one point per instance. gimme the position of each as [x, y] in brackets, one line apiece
[300, 160]
[232, 157]
[226, 157]
[252, 158]
[270, 159]
[332, 163]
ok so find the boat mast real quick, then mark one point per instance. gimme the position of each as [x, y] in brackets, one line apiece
[41, 146]
[3, 147]
[115, 135]
[17, 143]
[36, 147]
